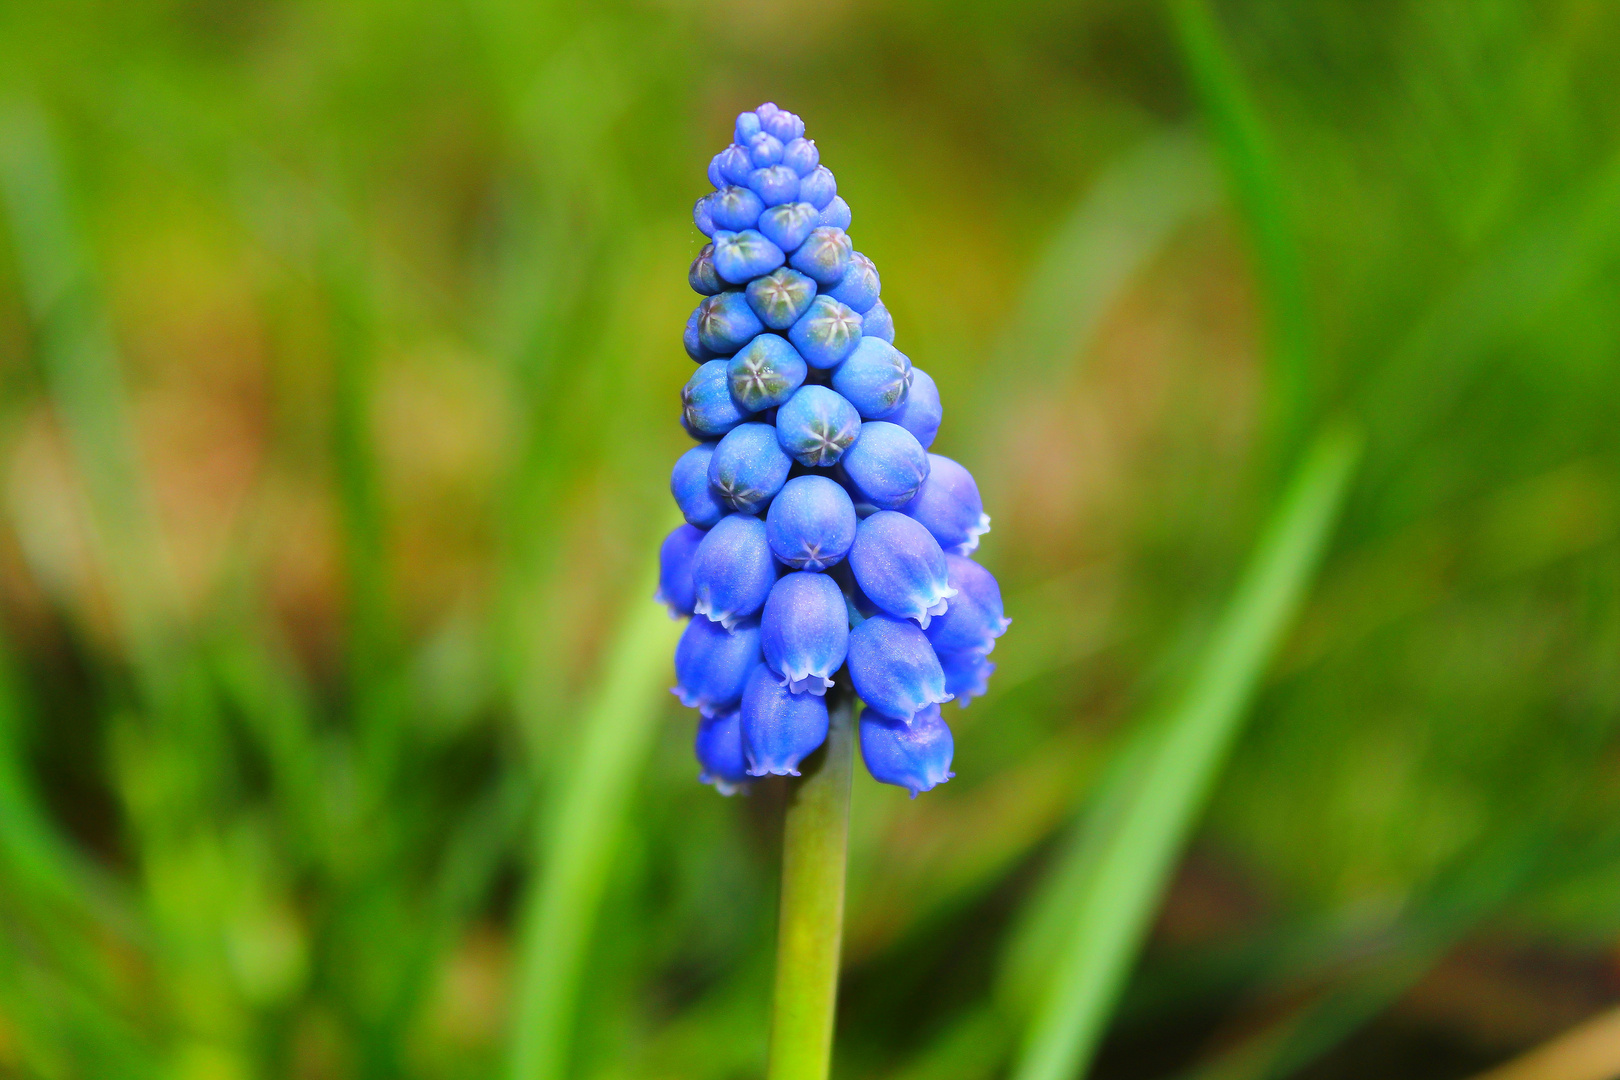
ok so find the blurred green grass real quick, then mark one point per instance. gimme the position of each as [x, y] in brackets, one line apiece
[337, 360]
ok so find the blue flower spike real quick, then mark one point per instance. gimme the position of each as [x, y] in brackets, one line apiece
[826, 552]
[804, 631]
[915, 756]
[899, 567]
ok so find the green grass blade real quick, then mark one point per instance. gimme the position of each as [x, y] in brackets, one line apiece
[1126, 862]
[1255, 182]
[576, 841]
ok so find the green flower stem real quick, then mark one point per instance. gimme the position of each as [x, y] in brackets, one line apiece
[815, 843]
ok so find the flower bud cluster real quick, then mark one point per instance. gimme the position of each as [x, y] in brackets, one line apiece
[824, 544]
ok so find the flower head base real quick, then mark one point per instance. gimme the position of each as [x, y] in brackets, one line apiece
[808, 420]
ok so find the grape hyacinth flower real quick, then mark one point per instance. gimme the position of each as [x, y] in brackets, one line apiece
[809, 419]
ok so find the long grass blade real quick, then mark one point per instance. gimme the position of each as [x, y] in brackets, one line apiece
[576, 841]
[1113, 877]
[1256, 185]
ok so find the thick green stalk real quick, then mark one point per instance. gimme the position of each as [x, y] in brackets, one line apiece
[810, 932]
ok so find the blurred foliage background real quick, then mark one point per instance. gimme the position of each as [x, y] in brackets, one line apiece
[339, 353]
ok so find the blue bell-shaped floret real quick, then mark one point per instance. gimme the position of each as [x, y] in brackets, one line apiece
[975, 618]
[732, 570]
[712, 664]
[719, 751]
[915, 755]
[900, 568]
[886, 464]
[707, 407]
[921, 412]
[816, 426]
[948, 504]
[675, 570]
[749, 467]
[779, 728]
[689, 482]
[804, 631]
[893, 667]
[967, 674]
[811, 523]
[874, 377]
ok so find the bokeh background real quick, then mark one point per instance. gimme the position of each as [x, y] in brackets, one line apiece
[339, 360]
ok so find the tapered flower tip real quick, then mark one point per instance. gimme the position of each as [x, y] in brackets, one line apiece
[780, 297]
[693, 341]
[860, 285]
[779, 122]
[701, 276]
[712, 664]
[726, 322]
[878, 323]
[779, 728]
[874, 377]
[707, 408]
[734, 208]
[967, 674]
[915, 755]
[818, 188]
[826, 332]
[732, 571]
[948, 504]
[893, 668]
[824, 255]
[900, 568]
[975, 618]
[801, 156]
[921, 412]
[720, 753]
[748, 467]
[765, 372]
[689, 484]
[675, 570]
[887, 464]
[739, 257]
[764, 149]
[804, 631]
[702, 218]
[789, 224]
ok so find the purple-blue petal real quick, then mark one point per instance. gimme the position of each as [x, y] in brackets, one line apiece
[779, 728]
[707, 408]
[693, 340]
[719, 752]
[764, 149]
[817, 425]
[921, 412]
[734, 165]
[860, 285]
[804, 630]
[811, 523]
[701, 276]
[735, 208]
[900, 568]
[836, 214]
[915, 755]
[747, 127]
[749, 467]
[739, 257]
[780, 297]
[801, 156]
[774, 184]
[712, 664]
[689, 482]
[875, 377]
[948, 504]
[818, 188]
[878, 323]
[967, 674]
[765, 373]
[893, 668]
[826, 333]
[732, 571]
[789, 224]
[701, 217]
[975, 617]
[675, 570]
[824, 255]
[725, 323]
[887, 464]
